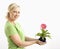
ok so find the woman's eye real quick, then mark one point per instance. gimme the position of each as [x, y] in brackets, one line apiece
[14, 11]
[18, 12]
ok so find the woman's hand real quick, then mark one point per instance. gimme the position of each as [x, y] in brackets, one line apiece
[40, 42]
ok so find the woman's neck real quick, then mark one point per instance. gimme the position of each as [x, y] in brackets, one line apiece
[11, 21]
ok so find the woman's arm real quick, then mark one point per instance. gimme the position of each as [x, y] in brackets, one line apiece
[32, 39]
[29, 39]
[16, 39]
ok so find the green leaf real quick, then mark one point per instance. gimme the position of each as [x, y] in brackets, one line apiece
[48, 36]
[38, 34]
[47, 33]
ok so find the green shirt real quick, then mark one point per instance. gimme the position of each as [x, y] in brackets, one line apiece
[11, 29]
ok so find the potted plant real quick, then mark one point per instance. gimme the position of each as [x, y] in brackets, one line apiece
[44, 33]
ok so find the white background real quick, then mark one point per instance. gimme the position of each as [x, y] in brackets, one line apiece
[34, 13]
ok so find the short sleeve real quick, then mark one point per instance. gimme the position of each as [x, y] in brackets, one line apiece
[11, 30]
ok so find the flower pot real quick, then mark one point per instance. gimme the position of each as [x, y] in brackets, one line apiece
[42, 39]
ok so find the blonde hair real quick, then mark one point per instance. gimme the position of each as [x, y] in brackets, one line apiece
[10, 7]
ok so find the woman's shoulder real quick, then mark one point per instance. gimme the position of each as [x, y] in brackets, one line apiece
[8, 24]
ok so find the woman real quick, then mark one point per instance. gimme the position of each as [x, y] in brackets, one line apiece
[16, 38]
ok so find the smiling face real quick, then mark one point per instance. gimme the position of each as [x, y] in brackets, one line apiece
[14, 13]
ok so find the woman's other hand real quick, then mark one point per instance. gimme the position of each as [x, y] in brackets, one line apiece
[40, 42]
